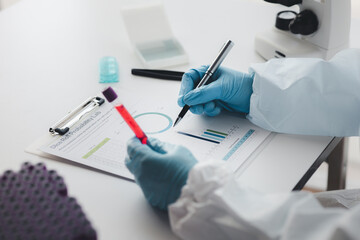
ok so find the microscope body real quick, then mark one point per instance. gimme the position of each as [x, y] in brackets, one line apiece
[331, 36]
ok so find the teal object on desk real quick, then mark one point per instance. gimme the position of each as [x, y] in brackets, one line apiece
[109, 70]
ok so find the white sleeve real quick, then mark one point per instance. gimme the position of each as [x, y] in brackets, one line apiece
[213, 205]
[308, 95]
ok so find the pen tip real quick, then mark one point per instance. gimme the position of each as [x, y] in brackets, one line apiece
[176, 122]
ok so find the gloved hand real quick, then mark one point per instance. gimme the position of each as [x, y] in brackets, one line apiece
[227, 89]
[161, 170]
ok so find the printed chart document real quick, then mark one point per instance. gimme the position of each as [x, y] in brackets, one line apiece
[99, 140]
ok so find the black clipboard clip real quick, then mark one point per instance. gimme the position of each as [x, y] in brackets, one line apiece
[63, 126]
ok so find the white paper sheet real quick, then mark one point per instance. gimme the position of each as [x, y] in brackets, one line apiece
[99, 140]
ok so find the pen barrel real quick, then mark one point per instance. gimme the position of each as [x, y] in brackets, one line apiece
[210, 71]
[206, 78]
[184, 111]
[216, 63]
[221, 56]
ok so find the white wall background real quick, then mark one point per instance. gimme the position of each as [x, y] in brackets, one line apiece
[6, 3]
[355, 5]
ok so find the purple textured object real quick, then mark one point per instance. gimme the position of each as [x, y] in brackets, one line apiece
[34, 205]
[109, 94]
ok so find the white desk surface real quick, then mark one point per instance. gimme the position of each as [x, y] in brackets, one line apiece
[49, 53]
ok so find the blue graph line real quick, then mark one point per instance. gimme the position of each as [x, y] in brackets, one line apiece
[160, 114]
[238, 144]
[215, 138]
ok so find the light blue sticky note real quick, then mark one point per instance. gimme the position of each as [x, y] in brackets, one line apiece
[109, 70]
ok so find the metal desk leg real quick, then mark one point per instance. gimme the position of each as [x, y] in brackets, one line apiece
[337, 161]
[323, 157]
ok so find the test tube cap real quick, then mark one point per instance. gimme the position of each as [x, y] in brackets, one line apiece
[109, 94]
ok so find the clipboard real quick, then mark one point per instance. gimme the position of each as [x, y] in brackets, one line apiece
[66, 128]
[63, 126]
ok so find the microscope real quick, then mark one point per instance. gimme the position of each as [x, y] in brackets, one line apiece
[320, 29]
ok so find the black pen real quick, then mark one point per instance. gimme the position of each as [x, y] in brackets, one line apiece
[159, 74]
[209, 72]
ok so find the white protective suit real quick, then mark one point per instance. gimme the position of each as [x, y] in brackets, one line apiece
[304, 96]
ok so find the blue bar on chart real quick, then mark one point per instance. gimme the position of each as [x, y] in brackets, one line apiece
[215, 135]
[238, 144]
[208, 135]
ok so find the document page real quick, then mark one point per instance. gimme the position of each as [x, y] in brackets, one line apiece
[224, 137]
[99, 139]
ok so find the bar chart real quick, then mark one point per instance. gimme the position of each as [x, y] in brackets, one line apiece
[227, 138]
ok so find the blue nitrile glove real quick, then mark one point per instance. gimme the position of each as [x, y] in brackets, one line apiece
[227, 88]
[160, 170]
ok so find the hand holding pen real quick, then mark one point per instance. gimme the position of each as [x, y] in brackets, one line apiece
[209, 72]
[228, 89]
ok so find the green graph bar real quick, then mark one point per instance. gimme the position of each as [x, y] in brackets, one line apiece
[213, 131]
[97, 147]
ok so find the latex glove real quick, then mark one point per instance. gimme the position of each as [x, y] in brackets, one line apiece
[228, 89]
[160, 170]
